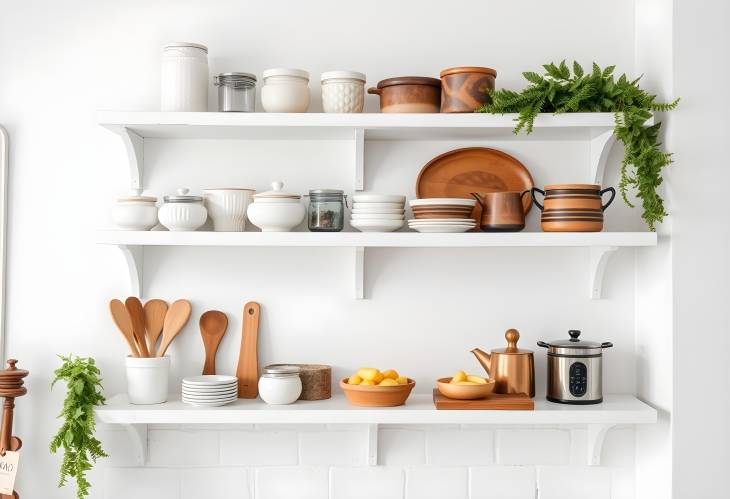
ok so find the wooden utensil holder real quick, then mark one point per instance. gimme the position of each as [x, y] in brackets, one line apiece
[11, 386]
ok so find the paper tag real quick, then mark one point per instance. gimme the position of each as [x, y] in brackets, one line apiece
[8, 470]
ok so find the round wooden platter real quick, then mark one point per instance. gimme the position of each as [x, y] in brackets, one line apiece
[458, 173]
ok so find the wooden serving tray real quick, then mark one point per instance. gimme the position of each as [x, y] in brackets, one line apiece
[494, 402]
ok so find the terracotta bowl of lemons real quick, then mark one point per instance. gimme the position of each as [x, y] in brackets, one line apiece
[464, 386]
[370, 387]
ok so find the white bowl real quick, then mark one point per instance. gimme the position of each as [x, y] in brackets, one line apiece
[442, 228]
[442, 221]
[227, 208]
[393, 206]
[276, 217]
[378, 198]
[388, 211]
[377, 216]
[451, 201]
[377, 225]
[135, 215]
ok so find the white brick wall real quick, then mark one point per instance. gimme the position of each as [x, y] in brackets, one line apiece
[321, 462]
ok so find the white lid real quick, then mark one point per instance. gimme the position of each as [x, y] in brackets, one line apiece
[276, 192]
[136, 196]
[354, 75]
[300, 73]
[186, 44]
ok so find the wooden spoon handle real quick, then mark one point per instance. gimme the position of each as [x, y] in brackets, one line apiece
[248, 368]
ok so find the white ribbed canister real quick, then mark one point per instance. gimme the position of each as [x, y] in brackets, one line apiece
[343, 91]
[184, 81]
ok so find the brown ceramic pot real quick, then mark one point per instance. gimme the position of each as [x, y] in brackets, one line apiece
[466, 88]
[501, 211]
[573, 207]
[409, 94]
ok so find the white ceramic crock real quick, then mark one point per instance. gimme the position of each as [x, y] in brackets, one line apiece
[182, 212]
[276, 210]
[147, 379]
[227, 208]
[135, 212]
[280, 385]
[184, 77]
[285, 91]
[343, 91]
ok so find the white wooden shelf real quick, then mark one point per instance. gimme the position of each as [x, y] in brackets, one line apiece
[135, 127]
[601, 245]
[419, 409]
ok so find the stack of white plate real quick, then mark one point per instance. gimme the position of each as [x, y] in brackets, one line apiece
[378, 212]
[442, 225]
[209, 390]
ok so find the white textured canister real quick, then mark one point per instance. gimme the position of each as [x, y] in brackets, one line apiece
[343, 91]
[184, 82]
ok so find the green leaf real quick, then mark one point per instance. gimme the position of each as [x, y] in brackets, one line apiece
[577, 70]
[533, 77]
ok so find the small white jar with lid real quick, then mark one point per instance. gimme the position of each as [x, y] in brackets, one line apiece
[182, 212]
[276, 210]
[135, 212]
[184, 77]
[280, 384]
[285, 90]
[343, 91]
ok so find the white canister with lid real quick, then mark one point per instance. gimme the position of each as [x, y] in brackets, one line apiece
[184, 78]
[280, 384]
[182, 212]
[135, 212]
[285, 90]
[276, 210]
[343, 91]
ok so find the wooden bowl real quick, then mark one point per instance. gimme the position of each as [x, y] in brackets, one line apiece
[464, 392]
[377, 396]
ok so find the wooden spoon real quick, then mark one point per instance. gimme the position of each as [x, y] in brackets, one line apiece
[136, 313]
[248, 367]
[120, 316]
[213, 325]
[154, 318]
[175, 319]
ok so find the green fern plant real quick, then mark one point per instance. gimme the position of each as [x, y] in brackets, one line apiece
[76, 436]
[560, 91]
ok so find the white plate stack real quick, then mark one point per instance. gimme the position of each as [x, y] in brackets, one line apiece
[378, 212]
[210, 390]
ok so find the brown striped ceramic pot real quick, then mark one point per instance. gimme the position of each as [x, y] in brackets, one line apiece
[573, 207]
[466, 88]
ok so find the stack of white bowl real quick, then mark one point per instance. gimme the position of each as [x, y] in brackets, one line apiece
[378, 212]
[210, 390]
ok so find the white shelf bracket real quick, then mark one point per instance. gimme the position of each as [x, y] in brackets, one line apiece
[600, 146]
[598, 260]
[372, 445]
[134, 145]
[596, 436]
[359, 149]
[133, 256]
[138, 435]
[359, 272]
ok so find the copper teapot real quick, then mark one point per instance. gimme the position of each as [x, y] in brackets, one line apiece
[512, 368]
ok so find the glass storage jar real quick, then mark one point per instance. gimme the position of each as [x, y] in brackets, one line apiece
[326, 212]
[184, 81]
[280, 384]
[236, 92]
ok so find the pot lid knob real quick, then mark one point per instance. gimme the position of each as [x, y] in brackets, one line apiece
[183, 191]
[512, 336]
[574, 333]
[277, 185]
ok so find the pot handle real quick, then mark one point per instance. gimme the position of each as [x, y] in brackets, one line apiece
[373, 90]
[542, 344]
[613, 195]
[479, 199]
[534, 199]
[606, 344]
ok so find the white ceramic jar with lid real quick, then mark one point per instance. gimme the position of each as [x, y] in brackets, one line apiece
[285, 90]
[135, 212]
[276, 210]
[184, 81]
[182, 212]
[343, 91]
[280, 384]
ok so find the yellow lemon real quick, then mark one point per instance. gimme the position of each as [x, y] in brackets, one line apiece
[368, 373]
[378, 377]
[476, 379]
[367, 382]
[388, 382]
[391, 373]
[354, 380]
[459, 376]
[402, 380]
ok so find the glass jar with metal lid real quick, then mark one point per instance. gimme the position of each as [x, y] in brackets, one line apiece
[326, 212]
[182, 211]
[280, 384]
[236, 92]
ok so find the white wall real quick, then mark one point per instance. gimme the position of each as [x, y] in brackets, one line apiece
[60, 62]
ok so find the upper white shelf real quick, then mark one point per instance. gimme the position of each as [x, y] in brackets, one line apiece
[376, 126]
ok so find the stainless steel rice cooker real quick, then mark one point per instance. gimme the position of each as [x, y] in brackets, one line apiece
[574, 370]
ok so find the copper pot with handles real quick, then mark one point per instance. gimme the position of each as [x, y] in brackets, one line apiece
[512, 368]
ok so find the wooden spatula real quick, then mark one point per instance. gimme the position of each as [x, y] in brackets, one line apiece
[120, 316]
[248, 364]
[175, 320]
[213, 325]
[154, 317]
[136, 313]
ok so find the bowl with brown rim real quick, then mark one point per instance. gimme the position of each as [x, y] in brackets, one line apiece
[375, 395]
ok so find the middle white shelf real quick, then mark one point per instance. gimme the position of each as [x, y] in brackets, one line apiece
[601, 245]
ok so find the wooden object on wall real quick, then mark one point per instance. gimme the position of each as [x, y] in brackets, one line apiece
[11, 386]
[494, 402]
[247, 371]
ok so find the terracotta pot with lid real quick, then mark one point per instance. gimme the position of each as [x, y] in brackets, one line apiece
[409, 94]
[465, 89]
[512, 368]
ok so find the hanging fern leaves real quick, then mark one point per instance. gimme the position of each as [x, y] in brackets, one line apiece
[76, 436]
[559, 91]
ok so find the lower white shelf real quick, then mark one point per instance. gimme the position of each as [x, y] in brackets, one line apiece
[597, 419]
